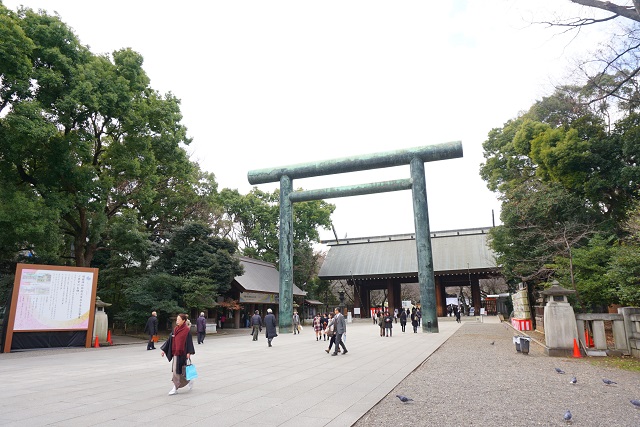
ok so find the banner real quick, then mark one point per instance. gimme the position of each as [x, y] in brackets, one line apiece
[258, 298]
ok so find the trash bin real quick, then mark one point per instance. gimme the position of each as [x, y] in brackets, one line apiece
[516, 341]
[524, 344]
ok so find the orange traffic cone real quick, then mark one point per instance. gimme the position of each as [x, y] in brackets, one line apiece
[97, 343]
[576, 349]
[586, 338]
[109, 337]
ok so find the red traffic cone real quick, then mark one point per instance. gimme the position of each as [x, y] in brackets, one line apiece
[576, 349]
[97, 343]
[109, 337]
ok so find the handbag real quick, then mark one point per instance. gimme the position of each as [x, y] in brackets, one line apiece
[190, 371]
[154, 338]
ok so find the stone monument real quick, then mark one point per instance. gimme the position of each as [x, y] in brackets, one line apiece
[560, 328]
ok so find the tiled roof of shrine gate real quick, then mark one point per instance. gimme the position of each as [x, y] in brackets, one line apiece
[454, 252]
[260, 276]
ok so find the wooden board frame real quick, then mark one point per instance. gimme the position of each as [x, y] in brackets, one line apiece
[16, 291]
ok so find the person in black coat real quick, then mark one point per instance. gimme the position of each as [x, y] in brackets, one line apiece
[270, 325]
[179, 348]
[403, 319]
[414, 320]
[151, 329]
[201, 328]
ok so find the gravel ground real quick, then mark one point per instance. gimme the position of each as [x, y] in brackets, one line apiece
[469, 382]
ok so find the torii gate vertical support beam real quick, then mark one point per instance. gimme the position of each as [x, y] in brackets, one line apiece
[286, 256]
[423, 243]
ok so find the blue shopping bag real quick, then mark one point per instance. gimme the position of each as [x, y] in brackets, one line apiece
[190, 371]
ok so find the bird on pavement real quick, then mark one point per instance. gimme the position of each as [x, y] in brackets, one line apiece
[573, 380]
[492, 342]
[635, 403]
[567, 415]
[608, 382]
[560, 371]
[404, 399]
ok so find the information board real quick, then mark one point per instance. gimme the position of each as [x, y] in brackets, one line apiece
[52, 298]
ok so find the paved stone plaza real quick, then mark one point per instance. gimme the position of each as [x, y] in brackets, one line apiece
[240, 382]
[467, 381]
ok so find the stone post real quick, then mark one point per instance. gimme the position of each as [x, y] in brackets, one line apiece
[559, 321]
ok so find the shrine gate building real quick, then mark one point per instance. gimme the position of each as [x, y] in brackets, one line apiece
[460, 258]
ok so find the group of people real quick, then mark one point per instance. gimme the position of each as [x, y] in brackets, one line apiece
[269, 323]
[385, 320]
[331, 327]
[178, 348]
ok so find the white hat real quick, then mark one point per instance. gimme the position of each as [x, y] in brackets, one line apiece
[269, 310]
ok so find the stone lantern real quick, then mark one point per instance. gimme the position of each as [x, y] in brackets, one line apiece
[560, 327]
[101, 321]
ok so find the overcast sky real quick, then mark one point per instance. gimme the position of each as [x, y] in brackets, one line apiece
[273, 83]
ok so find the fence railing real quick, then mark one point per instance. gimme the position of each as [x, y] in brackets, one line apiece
[625, 328]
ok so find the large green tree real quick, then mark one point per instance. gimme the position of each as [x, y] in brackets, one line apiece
[88, 147]
[567, 179]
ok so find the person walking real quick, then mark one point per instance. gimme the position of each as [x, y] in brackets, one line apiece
[419, 316]
[179, 348]
[317, 326]
[381, 324]
[403, 320]
[256, 323]
[340, 329]
[331, 332]
[270, 326]
[414, 320]
[324, 321]
[456, 313]
[388, 324]
[201, 328]
[151, 328]
[296, 323]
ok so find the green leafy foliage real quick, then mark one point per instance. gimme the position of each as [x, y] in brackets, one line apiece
[566, 179]
[255, 218]
[88, 140]
[205, 263]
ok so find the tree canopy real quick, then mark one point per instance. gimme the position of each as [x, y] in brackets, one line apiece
[568, 180]
[85, 142]
[94, 172]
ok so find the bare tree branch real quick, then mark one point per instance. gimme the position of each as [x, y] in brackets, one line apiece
[628, 12]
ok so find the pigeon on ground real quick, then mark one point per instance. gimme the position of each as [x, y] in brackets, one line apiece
[567, 415]
[560, 371]
[635, 403]
[573, 380]
[492, 342]
[608, 382]
[404, 399]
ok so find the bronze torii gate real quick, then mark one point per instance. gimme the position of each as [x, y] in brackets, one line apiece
[415, 157]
